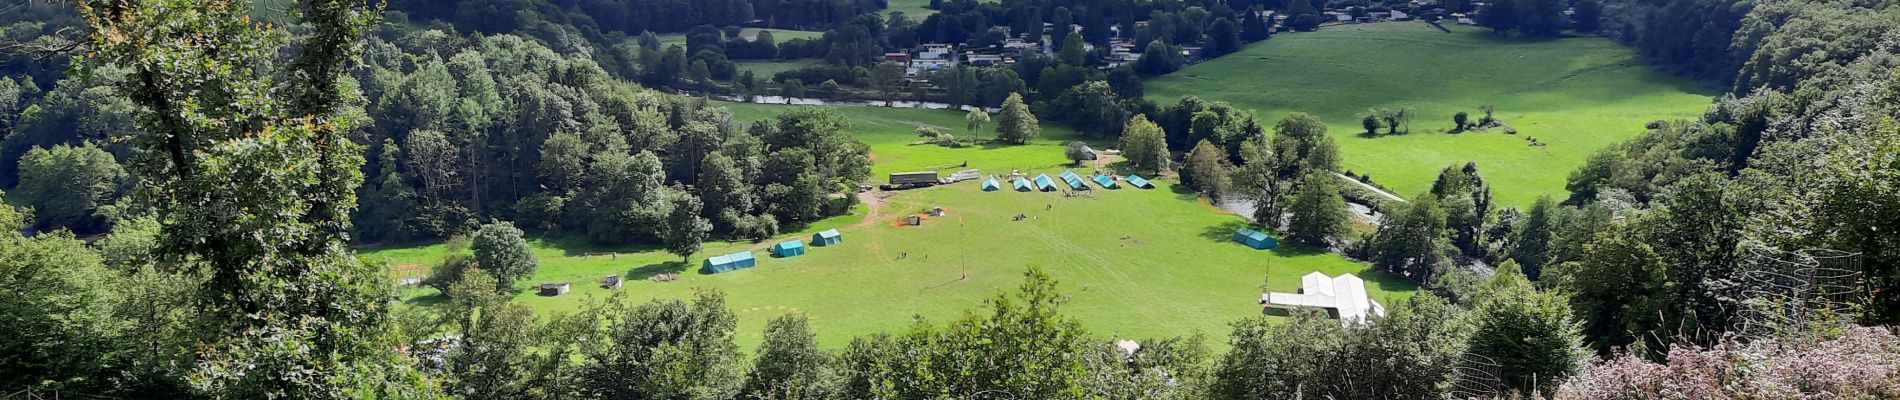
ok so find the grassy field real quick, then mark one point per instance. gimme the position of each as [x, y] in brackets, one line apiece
[912, 8]
[1576, 95]
[764, 69]
[1136, 263]
[892, 134]
[778, 36]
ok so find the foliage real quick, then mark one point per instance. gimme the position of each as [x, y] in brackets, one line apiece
[1530, 334]
[1404, 355]
[1468, 209]
[1860, 362]
[499, 248]
[286, 311]
[1411, 241]
[1206, 170]
[661, 349]
[1319, 213]
[1015, 124]
[1144, 145]
[59, 314]
[685, 229]
[70, 187]
[1619, 290]
[974, 119]
[1173, 368]
[1077, 152]
[790, 365]
[1024, 348]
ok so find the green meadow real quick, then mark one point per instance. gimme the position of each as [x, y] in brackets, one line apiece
[1576, 95]
[1135, 262]
[915, 9]
[778, 35]
[764, 69]
[895, 147]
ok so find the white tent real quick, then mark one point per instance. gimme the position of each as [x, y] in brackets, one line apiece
[1344, 295]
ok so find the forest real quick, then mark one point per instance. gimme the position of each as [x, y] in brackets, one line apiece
[190, 185]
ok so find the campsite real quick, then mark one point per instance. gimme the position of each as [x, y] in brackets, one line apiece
[1138, 263]
[950, 199]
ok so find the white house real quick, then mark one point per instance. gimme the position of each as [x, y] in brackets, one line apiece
[1343, 296]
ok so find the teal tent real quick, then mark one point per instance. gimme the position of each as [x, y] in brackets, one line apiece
[1045, 184]
[1074, 181]
[990, 185]
[789, 248]
[1022, 185]
[826, 238]
[1138, 182]
[1254, 239]
[729, 262]
[1106, 181]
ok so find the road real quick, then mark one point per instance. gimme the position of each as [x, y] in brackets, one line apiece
[1374, 189]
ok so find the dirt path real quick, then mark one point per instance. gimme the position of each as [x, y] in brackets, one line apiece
[1374, 189]
[874, 202]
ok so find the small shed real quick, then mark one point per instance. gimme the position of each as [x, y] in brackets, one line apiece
[1045, 184]
[936, 211]
[1138, 182]
[1022, 185]
[913, 220]
[789, 248]
[554, 288]
[1255, 239]
[990, 185]
[729, 262]
[826, 238]
[1106, 182]
[610, 282]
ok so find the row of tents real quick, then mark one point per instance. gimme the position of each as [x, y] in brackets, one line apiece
[790, 248]
[1042, 182]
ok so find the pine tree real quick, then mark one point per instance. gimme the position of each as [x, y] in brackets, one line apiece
[1254, 27]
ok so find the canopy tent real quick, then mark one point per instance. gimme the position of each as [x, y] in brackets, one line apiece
[1138, 182]
[990, 185]
[1106, 181]
[1254, 239]
[729, 262]
[789, 248]
[1344, 294]
[1045, 184]
[826, 237]
[1022, 185]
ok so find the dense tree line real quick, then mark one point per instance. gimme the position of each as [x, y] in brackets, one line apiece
[633, 16]
[502, 127]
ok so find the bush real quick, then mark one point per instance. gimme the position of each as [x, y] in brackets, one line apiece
[448, 272]
[1860, 363]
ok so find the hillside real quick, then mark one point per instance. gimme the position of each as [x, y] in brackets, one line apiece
[1577, 95]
